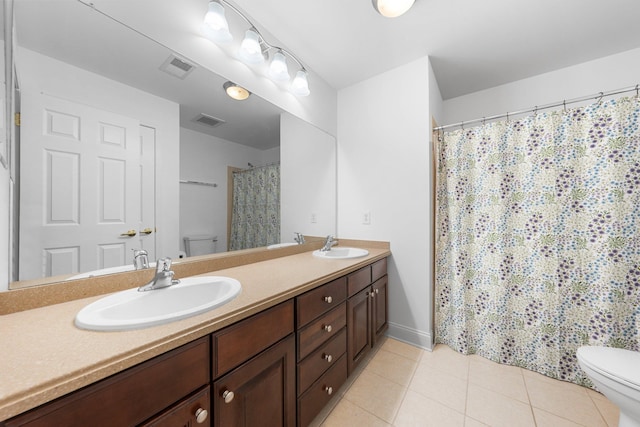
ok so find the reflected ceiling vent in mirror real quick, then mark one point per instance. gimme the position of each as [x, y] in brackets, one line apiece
[208, 120]
[177, 67]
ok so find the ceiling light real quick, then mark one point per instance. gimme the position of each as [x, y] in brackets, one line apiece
[278, 69]
[300, 85]
[215, 25]
[250, 49]
[392, 8]
[236, 92]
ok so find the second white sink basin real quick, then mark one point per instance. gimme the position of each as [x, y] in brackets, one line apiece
[341, 253]
[132, 309]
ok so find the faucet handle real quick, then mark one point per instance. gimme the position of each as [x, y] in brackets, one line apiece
[299, 238]
[163, 264]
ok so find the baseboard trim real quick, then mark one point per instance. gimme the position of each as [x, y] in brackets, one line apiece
[410, 336]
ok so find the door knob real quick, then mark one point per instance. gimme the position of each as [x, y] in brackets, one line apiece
[146, 231]
[129, 233]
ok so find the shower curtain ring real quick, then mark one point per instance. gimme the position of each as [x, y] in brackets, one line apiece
[638, 91]
[600, 97]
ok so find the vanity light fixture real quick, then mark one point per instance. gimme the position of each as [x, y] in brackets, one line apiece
[215, 26]
[235, 91]
[254, 49]
[392, 8]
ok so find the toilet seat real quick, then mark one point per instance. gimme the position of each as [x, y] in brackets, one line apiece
[620, 365]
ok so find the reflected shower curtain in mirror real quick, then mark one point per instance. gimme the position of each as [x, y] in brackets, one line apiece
[255, 219]
[538, 237]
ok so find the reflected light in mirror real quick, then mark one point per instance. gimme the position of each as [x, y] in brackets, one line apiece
[215, 26]
[236, 92]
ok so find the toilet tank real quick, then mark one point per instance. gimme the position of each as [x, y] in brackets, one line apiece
[200, 245]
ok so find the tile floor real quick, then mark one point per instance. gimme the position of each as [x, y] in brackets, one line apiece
[401, 385]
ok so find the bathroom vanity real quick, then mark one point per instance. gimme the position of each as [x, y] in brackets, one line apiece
[273, 357]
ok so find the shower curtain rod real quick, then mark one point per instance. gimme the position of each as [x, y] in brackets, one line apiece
[537, 108]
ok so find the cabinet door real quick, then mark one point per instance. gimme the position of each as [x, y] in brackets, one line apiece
[379, 309]
[260, 392]
[358, 327]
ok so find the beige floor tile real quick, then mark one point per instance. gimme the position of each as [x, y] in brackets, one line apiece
[570, 403]
[559, 384]
[503, 379]
[497, 410]
[347, 414]
[419, 411]
[403, 349]
[392, 366]
[444, 388]
[376, 394]
[470, 422]
[444, 359]
[547, 419]
[609, 411]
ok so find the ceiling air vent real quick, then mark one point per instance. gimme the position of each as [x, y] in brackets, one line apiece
[208, 120]
[177, 67]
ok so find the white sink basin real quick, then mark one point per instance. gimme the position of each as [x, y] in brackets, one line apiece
[281, 245]
[341, 253]
[132, 309]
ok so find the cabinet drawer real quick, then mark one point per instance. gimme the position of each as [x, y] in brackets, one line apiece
[320, 300]
[358, 280]
[186, 413]
[130, 397]
[378, 269]
[312, 402]
[320, 330]
[320, 360]
[239, 342]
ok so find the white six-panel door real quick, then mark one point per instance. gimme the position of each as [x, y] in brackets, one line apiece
[81, 197]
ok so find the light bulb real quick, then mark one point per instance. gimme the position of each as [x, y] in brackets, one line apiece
[236, 92]
[392, 8]
[250, 50]
[278, 69]
[215, 26]
[300, 85]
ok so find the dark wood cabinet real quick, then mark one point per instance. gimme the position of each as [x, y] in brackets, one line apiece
[129, 397]
[261, 392]
[278, 367]
[367, 311]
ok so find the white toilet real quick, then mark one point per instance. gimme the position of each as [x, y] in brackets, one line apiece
[616, 373]
[200, 245]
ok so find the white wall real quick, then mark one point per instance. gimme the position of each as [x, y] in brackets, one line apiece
[384, 169]
[601, 75]
[5, 185]
[203, 209]
[308, 179]
[38, 73]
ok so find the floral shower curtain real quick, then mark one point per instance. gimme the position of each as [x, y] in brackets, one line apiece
[255, 219]
[538, 237]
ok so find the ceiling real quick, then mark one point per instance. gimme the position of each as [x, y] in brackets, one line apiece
[473, 45]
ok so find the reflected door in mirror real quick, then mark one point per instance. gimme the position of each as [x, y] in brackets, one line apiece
[80, 200]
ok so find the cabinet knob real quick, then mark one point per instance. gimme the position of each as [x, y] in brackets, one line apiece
[372, 295]
[377, 291]
[327, 328]
[201, 415]
[329, 390]
[327, 357]
[328, 299]
[228, 396]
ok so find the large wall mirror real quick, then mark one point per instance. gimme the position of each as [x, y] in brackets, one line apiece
[125, 144]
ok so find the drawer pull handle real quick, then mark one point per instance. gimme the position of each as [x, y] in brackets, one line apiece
[201, 415]
[327, 357]
[329, 390]
[228, 396]
[327, 328]
[328, 299]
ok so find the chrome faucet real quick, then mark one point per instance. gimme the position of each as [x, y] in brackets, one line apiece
[299, 238]
[163, 278]
[328, 244]
[140, 259]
